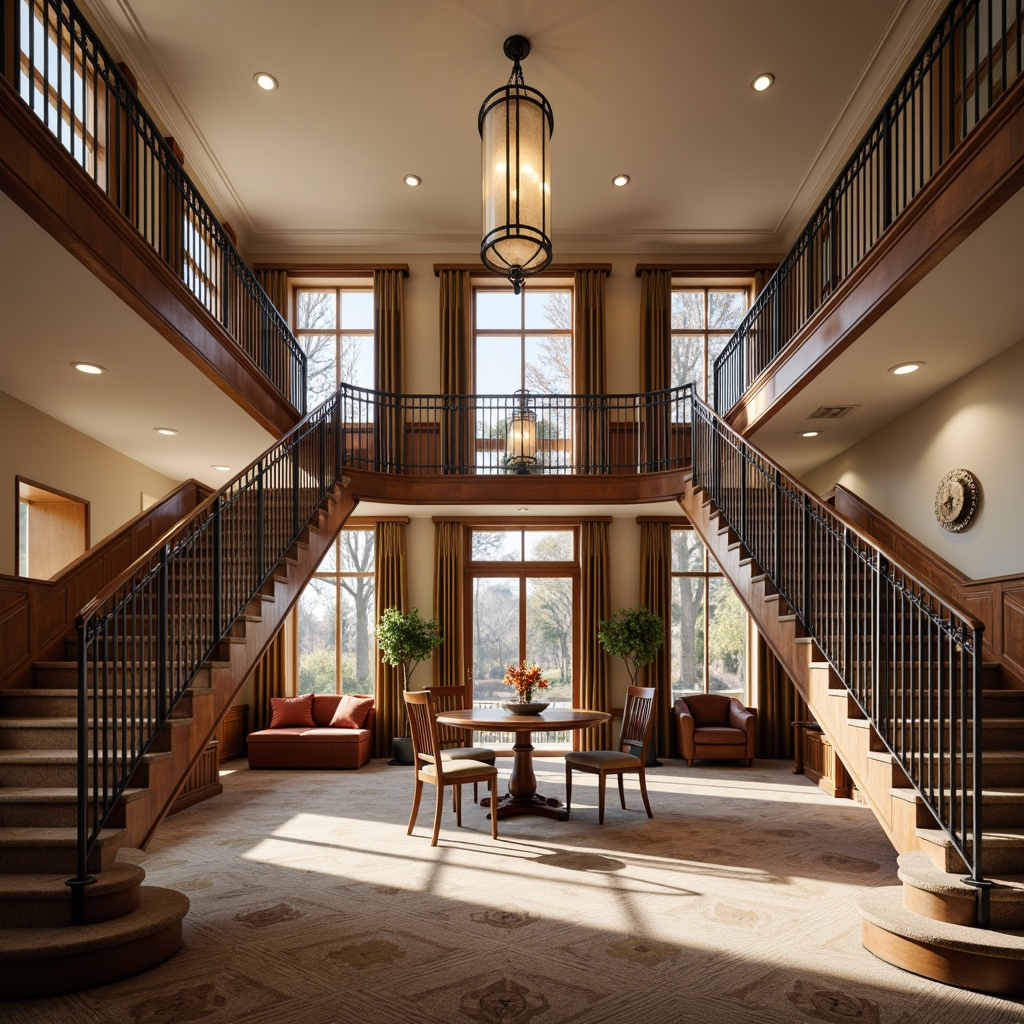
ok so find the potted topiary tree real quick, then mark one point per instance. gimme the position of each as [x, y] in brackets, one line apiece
[635, 635]
[406, 639]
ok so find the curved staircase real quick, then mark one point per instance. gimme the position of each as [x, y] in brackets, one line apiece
[128, 926]
[928, 925]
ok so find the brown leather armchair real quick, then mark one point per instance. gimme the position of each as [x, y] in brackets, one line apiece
[714, 726]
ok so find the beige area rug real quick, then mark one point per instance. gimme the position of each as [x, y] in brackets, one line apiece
[736, 903]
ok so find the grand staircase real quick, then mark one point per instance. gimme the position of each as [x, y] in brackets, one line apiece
[125, 926]
[930, 924]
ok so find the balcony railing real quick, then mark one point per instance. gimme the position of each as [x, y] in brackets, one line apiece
[969, 60]
[523, 433]
[59, 67]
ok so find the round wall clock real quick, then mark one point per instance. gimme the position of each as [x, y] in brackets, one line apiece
[956, 500]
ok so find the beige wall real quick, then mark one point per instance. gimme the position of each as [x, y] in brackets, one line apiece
[48, 452]
[976, 424]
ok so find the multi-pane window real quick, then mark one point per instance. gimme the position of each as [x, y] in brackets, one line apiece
[60, 81]
[336, 619]
[334, 326]
[522, 585]
[201, 262]
[703, 320]
[709, 625]
[522, 343]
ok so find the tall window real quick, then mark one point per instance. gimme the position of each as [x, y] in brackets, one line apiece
[522, 586]
[709, 625]
[60, 81]
[334, 326]
[522, 343]
[336, 619]
[703, 320]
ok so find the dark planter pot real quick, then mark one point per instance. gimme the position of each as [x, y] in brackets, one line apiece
[401, 750]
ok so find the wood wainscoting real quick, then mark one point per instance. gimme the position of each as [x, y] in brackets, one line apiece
[204, 780]
[816, 758]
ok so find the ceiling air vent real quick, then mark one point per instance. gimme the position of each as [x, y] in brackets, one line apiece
[831, 412]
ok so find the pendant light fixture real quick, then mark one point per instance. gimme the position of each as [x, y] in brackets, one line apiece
[515, 124]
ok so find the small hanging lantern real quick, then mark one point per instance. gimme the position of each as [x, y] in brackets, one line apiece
[521, 443]
[515, 124]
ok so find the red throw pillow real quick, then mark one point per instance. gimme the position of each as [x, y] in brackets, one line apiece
[292, 712]
[352, 712]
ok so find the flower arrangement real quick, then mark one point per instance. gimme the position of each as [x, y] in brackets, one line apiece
[523, 679]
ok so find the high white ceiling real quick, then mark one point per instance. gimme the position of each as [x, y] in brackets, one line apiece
[371, 91]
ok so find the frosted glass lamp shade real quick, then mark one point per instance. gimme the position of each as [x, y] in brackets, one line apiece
[516, 123]
[521, 443]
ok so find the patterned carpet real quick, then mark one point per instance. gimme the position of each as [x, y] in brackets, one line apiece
[311, 905]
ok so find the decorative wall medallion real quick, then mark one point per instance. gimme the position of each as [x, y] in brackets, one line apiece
[956, 500]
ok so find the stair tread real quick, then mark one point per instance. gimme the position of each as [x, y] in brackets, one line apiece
[1001, 835]
[883, 907]
[56, 794]
[32, 835]
[994, 795]
[120, 875]
[917, 869]
[72, 723]
[161, 908]
[56, 756]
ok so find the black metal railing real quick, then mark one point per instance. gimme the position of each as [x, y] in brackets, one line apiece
[143, 639]
[911, 660]
[968, 61]
[518, 433]
[60, 68]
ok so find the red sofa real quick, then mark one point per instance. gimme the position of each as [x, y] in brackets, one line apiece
[318, 746]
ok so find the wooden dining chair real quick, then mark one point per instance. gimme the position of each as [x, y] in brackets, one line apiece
[431, 766]
[452, 738]
[637, 719]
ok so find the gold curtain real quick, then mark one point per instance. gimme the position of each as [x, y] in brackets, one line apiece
[656, 594]
[778, 705]
[656, 358]
[389, 337]
[275, 284]
[761, 278]
[456, 328]
[589, 371]
[595, 604]
[391, 591]
[269, 679]
[449, 660]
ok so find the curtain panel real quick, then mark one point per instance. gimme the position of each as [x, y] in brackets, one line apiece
[275, 284]
[655, 358]
[391, 587]
[656, 595]
[589, 369]
[269, 679]
[779, 705]
[595, 605]
[389, 338]
[455, 310]
[449, 658]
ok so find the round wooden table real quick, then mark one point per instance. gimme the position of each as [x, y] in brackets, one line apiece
[522, 796]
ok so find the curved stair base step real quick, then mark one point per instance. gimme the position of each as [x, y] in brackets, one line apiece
[979, 959]
[48, 961]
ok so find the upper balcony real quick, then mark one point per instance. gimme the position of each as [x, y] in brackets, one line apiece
[944, 153]
[81, 155]
[510, 449]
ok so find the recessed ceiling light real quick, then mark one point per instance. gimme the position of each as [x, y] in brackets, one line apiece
[221, 469]
[901, 368]
[266, 81]
[620, 179]
[522, 508]
[762, 82]
[809, 433]
[92, 368]
[412, 180]
[166, 431]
